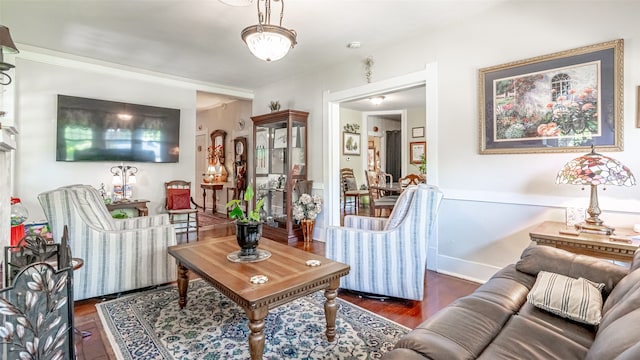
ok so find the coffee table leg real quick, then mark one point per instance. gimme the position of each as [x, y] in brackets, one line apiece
[331, 308]
[256, 325]
[183, 285]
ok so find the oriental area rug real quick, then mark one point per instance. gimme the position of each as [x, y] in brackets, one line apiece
[149, 325]
[207, 220]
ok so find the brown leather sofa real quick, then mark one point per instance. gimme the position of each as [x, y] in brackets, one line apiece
[497, 322]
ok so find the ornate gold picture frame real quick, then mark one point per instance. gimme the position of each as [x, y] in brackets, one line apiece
[561, 102]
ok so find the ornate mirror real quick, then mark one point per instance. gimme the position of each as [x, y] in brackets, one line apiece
[218, 138]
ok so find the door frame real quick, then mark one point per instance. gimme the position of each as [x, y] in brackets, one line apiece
[331, 140]
[403, 135]
[331, 130]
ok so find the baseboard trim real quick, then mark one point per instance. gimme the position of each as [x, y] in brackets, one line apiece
[464, 269]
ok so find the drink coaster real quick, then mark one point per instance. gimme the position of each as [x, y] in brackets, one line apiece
[313, 263]
[259, 256]
[258, 279]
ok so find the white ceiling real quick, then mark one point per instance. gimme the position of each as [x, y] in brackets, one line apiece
[402, 99]
[200, 39]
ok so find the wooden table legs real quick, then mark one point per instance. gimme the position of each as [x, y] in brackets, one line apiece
[213, 187]
[256, 316]
[331, 308]
[183, 285]
[256, 325]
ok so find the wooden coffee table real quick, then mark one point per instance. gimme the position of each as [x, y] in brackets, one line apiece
[289, 278]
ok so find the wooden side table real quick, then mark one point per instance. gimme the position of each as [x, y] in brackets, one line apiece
[214, 187]
[139, 204]
[618, 247]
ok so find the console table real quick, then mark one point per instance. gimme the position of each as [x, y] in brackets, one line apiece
[139, 204]
[618, 247]
[214, 187]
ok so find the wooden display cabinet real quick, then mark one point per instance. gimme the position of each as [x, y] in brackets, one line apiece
[280, 162]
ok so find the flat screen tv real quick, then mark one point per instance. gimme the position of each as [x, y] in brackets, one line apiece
[100, 130]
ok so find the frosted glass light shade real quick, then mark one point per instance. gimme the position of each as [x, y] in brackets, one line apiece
[269, 42]
[116, 179]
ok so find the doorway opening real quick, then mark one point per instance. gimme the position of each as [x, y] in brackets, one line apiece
[227, 115]
[332, 129]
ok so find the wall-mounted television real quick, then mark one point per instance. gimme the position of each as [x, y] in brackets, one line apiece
[100, 130]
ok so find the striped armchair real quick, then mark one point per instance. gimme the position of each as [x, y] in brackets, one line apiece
[388, 256]
[119, 254]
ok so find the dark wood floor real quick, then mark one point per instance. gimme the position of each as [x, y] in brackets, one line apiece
[440, 290]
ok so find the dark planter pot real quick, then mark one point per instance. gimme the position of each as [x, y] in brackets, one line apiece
[248, 235]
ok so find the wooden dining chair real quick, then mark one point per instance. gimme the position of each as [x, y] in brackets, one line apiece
[182, 210]
[410, 179]
[377, 201]
[350, 188]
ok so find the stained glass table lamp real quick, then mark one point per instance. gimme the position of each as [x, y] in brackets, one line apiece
[595, 169]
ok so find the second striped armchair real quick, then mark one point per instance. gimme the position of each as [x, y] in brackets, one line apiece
[388, 256]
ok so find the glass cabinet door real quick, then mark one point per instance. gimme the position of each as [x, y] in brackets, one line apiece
[280, 162]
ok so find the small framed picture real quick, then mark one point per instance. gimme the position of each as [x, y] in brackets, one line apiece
[416, 150]
[350, 143]
[417, 132]
[575, 216]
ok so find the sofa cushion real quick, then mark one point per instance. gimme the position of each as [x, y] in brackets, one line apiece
[508, 287]
[635, 264]
[580, 333]
[524, 339]
[575, 299]
[619, 340]
[461, 330]
[624, 299]
[617, 336]
[536, 258]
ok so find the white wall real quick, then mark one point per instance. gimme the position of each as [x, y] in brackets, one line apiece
[415, 118]
[226, 118]
[491, 201]
[348, 116]
[42, 76]
[37, 169]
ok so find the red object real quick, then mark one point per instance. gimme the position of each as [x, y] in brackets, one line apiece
[17, 233]
[171, 197]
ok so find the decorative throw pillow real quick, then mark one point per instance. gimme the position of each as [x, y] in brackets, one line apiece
[400, 209]
[576, 299]
[179, 194]
[350, 184]
[181, 201]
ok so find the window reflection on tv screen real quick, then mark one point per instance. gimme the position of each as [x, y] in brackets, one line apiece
[100, 130]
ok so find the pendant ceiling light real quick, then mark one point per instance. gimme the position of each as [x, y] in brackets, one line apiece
[265, 41]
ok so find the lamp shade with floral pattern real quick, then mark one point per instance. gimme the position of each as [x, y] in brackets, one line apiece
[595, 169]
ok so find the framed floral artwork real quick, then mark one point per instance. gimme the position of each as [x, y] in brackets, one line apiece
[562, 102]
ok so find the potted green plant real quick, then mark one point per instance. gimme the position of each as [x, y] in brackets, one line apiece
[423, 168]
[248, 225]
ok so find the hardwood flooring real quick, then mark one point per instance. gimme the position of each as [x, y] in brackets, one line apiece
[440, 290]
